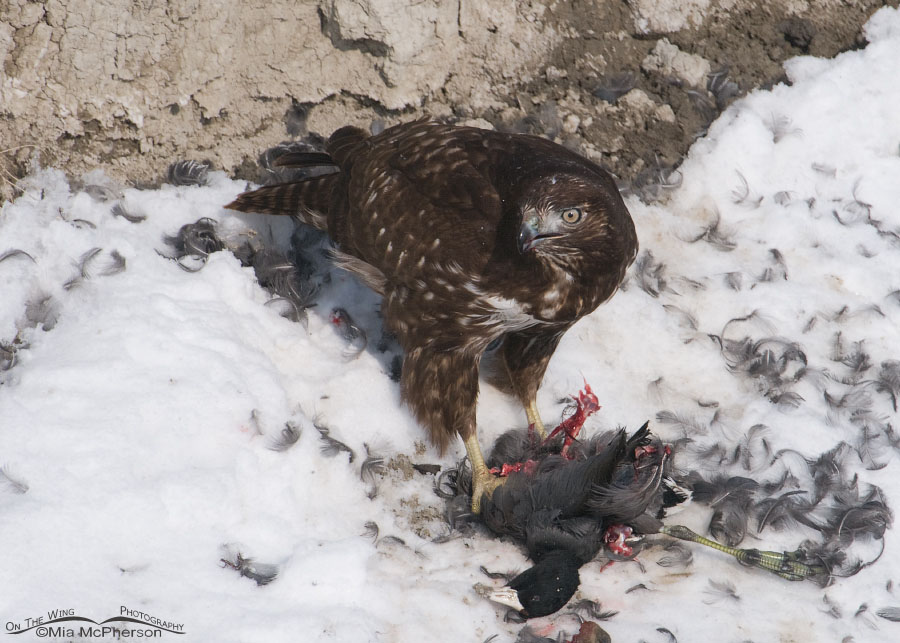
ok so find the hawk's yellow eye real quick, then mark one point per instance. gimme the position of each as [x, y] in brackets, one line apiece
[572, 215]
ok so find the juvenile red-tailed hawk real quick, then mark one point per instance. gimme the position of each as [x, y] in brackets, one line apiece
[470, 235]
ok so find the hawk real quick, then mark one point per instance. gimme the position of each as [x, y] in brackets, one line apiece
[470, 236]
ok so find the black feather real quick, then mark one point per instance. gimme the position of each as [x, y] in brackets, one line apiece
[119, 210]
[714, 235]
[651, 274]
[84, 265]
[261, 573]
[677, 555]
[371, 468]
[15, 252]
[331, 446]
[287, 438]
[298, 158]
[188, 173]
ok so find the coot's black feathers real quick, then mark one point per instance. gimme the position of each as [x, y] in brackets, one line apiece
[548, 586]
[560, 508]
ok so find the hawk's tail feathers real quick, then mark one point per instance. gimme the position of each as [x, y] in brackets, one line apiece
[304, 159]
[342, 143]
[308, 199]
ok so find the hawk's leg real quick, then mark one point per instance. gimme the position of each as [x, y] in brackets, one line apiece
[534, 418]
[483, 481]
[441, 387]
[526, 355]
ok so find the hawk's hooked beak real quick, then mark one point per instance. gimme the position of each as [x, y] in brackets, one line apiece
[531, 234]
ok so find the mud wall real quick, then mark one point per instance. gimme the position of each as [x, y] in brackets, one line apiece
[131, 85]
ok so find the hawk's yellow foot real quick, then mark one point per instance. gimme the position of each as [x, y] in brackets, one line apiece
[534, 418]
[483, 481]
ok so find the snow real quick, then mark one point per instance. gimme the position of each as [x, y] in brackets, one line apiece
[141, 413]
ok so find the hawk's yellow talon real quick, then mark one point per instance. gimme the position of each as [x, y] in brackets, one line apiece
[483, 481]
[534, 419]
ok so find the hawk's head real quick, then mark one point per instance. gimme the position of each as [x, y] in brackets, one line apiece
[575, 219]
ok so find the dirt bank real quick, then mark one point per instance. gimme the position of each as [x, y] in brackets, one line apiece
[130, 87]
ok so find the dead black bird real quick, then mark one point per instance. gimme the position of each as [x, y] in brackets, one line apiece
[566, 502]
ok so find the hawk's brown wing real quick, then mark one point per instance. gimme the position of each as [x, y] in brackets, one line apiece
[420, 202]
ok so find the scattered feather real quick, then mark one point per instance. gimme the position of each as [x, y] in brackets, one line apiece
[785, 400]
[714, 235]
[527, 633]
[289, 310]
[371, 530]
[392, 540]
[742, 194]
[703, 102]
[834, 610]
[15, 252]
[734, 280]
[778, 269]
[331, 446]
[724, 90]
[688, 425]
[7, 356]
[613, 87]
[654, 181]
[686, 320]
[677, 555]
[719, 591]
[350, 332]
[668, 634]
[261, 573]
[856, 402]
[692, 284]
[504, 576]
[103, 192]
[371, 469]
[288, 437]
[115, 266]
[782, 126]
[396, 368]
[651, 274]
[783, 197]
[825, 169]
[591, 609]
[868, 448]
[888, 380]
[513, 616]
[198, 239]
[41, 310]
[11, 483]
[731, 499]
[280, 276]
[890, 613]
[755, 318]
[84, 264]
[119, 210]
[188, 173]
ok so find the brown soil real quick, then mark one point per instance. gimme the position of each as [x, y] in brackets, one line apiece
[745, 47]
[578, 95]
